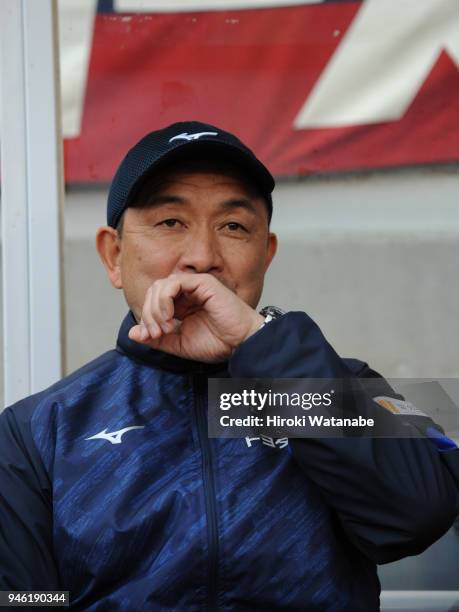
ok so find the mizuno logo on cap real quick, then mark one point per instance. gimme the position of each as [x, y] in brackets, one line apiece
[114, 436]
[186, 136]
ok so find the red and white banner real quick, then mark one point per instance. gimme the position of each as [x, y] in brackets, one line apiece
[313, 87]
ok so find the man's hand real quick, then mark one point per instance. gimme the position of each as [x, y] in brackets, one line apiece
[196, 317]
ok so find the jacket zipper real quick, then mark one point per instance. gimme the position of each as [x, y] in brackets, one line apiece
[209, 491]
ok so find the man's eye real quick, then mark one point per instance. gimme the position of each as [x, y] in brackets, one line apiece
[169, 222]
[233, 226]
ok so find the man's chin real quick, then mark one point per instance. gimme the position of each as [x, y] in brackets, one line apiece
[136, 312]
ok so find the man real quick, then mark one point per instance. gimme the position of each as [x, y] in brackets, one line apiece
[109, 484]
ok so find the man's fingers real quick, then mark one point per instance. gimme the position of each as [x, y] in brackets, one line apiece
[149, 326]
[168, 301]
[184, 306]
[158, 310]
[162, 302]
[138, 333]
[170, 297]
[169, 342]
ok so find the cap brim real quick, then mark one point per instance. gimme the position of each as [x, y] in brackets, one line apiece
[256, 171]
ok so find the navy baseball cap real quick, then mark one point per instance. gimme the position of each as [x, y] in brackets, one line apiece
[171, 143]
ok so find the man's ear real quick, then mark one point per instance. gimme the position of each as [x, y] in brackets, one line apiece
[108, 245]
[271, 249]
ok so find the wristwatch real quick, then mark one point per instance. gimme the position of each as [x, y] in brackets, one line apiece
[270, 313]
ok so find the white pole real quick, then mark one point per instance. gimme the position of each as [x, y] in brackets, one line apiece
[32, 196]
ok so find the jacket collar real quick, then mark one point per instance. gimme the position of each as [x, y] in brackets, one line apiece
[160, 359]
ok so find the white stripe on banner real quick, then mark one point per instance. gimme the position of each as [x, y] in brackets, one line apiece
[382, 62]
[173, 6]
[76, 21]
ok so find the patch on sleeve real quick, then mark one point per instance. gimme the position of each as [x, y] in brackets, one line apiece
[397, 406]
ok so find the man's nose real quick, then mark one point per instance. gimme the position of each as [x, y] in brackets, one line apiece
[201, 253]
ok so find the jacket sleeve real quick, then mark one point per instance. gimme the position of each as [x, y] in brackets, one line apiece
[26, 551]
[393, 496]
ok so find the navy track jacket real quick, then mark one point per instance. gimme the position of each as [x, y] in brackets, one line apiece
[161, 517]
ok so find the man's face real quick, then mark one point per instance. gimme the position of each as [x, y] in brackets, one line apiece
[198, 222]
